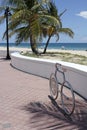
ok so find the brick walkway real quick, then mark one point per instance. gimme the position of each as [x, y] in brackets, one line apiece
[24, 104]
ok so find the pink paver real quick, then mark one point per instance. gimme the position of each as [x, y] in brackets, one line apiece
[24, 103]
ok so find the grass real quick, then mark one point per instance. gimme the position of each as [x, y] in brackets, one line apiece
[63, 56]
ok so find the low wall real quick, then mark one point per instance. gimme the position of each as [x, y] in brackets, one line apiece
[76, 74]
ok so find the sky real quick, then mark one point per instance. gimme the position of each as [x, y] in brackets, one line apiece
[74, 18]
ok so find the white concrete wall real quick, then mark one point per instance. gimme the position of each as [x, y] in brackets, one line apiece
[34, 66]
[76, 74]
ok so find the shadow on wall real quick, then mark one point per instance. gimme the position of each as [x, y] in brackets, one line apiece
[51, 117]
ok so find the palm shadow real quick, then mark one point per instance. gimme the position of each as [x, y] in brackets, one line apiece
[51, 116]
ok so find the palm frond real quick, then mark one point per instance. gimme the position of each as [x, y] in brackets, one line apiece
[52, 9]
[62, 13]
[22, 34]
[51, 20]
[57, 37]
[35, 7]
[67, 31]
[4, 35]
[21, 14]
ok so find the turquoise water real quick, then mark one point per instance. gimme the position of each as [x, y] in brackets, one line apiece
[66, 46]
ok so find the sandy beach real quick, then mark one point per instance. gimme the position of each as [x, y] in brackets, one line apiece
[83, 53]
[79, 52]
[73, 56]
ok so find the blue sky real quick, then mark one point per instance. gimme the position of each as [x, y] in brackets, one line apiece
[75, 18]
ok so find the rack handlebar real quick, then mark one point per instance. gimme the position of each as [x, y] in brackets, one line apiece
[59, 66]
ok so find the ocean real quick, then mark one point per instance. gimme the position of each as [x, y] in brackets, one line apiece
[65, 46]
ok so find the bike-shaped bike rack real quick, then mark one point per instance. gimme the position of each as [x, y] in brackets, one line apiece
[64, 88]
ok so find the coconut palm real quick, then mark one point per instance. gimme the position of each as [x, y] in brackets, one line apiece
[56, 30]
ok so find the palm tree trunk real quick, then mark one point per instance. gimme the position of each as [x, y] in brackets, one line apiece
[33, 47]
[32, 40]
[47, 44]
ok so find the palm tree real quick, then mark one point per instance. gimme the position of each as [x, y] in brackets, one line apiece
[53, 32]
[56, 30]
[26, 21]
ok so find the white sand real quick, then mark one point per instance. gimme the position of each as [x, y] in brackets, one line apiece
[13, 49]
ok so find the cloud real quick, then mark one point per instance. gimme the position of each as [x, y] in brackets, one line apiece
[83, 14]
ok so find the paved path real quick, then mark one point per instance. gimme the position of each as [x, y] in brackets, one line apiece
[24, 104]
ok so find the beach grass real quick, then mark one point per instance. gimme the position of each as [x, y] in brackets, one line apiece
[62, 56]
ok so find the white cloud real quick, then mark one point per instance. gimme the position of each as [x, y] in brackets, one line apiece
[83, 14]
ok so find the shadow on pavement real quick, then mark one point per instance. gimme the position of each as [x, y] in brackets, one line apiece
[51, 116]
[2, 59]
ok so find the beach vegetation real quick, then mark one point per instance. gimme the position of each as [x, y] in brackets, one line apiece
[62, 56]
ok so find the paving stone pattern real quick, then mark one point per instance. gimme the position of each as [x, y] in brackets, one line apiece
[25, 105]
